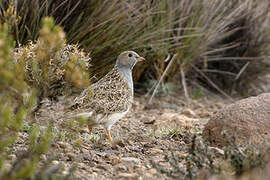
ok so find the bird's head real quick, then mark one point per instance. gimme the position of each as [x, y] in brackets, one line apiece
[128, 59]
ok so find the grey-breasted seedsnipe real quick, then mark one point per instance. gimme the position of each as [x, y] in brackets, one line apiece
[108, 100]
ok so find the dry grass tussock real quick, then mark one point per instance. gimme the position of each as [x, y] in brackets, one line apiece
[221, 45]
[218, 44]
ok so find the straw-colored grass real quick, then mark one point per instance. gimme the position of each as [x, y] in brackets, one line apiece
[220, 44]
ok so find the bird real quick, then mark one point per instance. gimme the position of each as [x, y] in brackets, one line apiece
[109, 99]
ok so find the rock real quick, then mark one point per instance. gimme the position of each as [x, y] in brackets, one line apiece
[84, 131]
[119, 142]
[71, 156]
[130, 160]
[105, 167]
[65, 145]
[155, 151]
[248, 118]
[135, 148]
[96, 169]
[152, 171]
[127, 175]
[113, 160]
[188, 112]
[82, 150]
[56, 145]
[148, 176]
[120, 167]
[43, 157]
[55, 162]
[165, 105]
[204, 114]
[82, 165]
[83, 157]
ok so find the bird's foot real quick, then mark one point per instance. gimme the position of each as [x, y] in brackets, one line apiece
[109, 135]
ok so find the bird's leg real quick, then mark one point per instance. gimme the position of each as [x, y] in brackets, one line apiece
[90, 128]
[109, 134]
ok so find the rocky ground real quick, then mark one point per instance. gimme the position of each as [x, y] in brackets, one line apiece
[146, 143]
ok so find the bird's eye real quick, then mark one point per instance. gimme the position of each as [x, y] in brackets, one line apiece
[129, 55]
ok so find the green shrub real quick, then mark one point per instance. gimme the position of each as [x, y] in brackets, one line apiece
[16, 104]
[12, 87]
[51, 66]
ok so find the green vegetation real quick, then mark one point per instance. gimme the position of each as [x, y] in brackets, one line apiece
[12, 112]
[203, 161]
[51, 66]
[17, 102]
[219, 45]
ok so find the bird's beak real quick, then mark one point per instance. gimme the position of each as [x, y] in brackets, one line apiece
[140, 59]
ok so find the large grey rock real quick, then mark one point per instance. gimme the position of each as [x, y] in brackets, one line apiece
[249, 119]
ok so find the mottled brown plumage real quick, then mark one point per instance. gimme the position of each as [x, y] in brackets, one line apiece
[109, 95]
[109, 99]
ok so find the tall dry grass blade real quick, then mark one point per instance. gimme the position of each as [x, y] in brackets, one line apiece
[212, 83]
[184, 84]
[161, 78]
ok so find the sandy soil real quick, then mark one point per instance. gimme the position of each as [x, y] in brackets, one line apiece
[143, 140]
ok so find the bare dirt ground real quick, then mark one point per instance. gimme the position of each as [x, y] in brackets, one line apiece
[144, 141]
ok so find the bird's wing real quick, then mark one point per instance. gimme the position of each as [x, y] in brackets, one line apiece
[109, 95]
